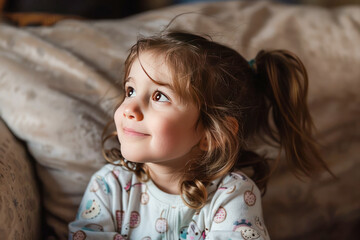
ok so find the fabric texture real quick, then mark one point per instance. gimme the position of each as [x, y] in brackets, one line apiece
[117, 205]
[20, 209]
[59, 85]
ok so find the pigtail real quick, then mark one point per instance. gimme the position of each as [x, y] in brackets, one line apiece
[282, 77]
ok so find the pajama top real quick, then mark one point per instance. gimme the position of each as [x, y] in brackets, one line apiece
[118, 206]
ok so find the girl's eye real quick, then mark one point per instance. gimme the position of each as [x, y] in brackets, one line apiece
[160, 97]
[130, 92]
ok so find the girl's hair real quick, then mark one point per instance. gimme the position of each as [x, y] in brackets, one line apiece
[237, 102]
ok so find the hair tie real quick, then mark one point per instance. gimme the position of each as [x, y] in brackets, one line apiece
[251, 63]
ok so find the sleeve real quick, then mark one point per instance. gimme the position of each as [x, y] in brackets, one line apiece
[236, 212]
[94, 219]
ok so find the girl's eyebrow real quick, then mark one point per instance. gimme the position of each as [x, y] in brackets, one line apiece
[154, 81]
[127, 80]
[164, 84]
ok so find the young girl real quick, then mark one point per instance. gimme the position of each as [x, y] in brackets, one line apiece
[190, 109]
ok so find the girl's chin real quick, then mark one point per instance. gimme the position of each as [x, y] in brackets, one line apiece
[132, 158]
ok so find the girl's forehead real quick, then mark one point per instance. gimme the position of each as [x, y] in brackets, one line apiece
[154, 59]
[154, 66]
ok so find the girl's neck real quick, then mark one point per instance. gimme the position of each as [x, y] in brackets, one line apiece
[166, 179]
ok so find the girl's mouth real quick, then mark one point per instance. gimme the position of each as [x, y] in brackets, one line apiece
[132, 132]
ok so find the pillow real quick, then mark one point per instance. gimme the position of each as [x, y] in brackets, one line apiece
[20, 208]
[58, 105]
[59, 86]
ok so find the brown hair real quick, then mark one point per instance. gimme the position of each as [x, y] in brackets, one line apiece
[267, 100]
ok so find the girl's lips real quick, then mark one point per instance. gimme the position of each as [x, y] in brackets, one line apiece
[132, 132]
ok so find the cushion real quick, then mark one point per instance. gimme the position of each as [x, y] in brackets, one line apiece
[20, 210]
[59, 86]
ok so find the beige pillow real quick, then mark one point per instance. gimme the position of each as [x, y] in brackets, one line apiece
[20, 211]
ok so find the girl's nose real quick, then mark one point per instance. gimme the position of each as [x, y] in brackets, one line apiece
[132, 111]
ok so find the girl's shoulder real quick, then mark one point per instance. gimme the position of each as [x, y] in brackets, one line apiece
[236, 178]
[234, 206]
[233, 184]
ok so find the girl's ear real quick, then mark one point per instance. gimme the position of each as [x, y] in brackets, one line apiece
[203, 144]
[232, 124]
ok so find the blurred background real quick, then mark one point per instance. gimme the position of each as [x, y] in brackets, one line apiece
[48, 12]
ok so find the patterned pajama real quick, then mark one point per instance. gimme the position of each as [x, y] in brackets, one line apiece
[117, 206]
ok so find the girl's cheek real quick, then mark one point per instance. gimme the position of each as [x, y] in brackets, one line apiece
[164, 126]
[163, 130]
[117, 117]
[116, 114]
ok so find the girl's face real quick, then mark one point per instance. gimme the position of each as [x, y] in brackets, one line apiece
[153, 124]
